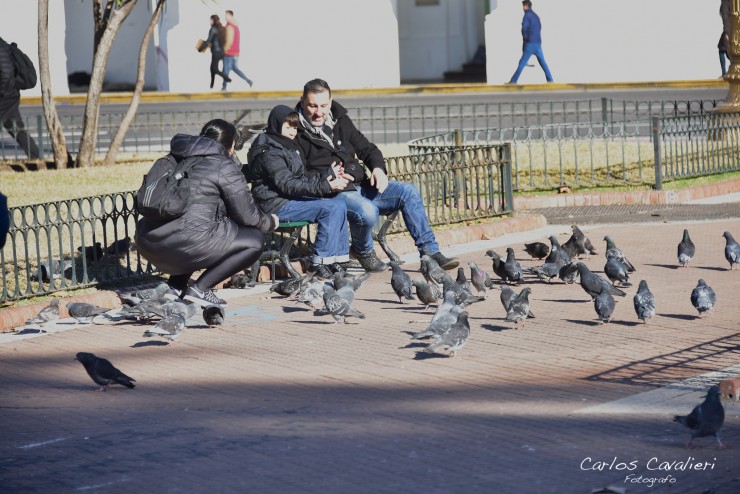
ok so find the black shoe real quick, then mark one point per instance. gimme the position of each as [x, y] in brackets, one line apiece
[370, 261]
[351, 265]
[444, 262]
[320, 271]
[202, 297]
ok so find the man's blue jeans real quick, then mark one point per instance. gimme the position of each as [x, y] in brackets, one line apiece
[529, 50]
[364, 206]
[231, 63]
[332, 237]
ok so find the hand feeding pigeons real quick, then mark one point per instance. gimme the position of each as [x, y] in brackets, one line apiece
[644, 302]
[401, 283]
[102, 372]
[705, 419]
[686, 250]
[732, 251]
[703, 298]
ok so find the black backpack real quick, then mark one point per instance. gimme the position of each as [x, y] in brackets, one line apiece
[165, 191]
[25, 72]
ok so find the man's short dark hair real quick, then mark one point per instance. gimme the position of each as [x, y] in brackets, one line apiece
[315, 86]
[230, 12]
[527, 3]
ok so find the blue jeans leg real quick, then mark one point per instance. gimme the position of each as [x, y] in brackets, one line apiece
[541, 60]
[332, 236]
[237, 70]
[228, 67]
[529, 50]
[404, 197]
[362, 215]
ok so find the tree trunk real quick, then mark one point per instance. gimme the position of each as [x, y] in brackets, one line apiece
[134, 105]
[56, 134]
[86, 155]
[100, 21]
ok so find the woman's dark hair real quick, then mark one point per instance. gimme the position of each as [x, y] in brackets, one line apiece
[221, 29]
[220, 131]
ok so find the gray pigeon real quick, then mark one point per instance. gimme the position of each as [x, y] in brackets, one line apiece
[338, 303]
[53, 269]
[446, 306]
[401, 283]
[512, 268]
[547, 271]
[498, 264]
[312, 294]
[557, 251]
[427, 293]
[347, 279]
[590, 282]
[288, 287]
[454, 338]
[175, 308]
[156, 293]
[612, 251]
[439, 326]
[616, 272]
[583, 244]
[604, 305]
[518, 310]
[119, 247]
[732, 251]
[507, 293]
[686, 250]
[85, 313]
[431, 270]
[537, 250]
[239, 281]
[102, 372]
[705, 419]
[46, 315]
[213, 315]
[644, 302]
[569, 274]
[146, 309]
[168, 327]
[92, 252]
[703, 298]
[463, 297]
[479, 279]
[461, 279]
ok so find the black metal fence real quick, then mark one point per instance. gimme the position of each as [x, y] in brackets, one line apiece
[80, 242]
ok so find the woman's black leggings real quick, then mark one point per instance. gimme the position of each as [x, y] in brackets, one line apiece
[215, 59]
[243, 251]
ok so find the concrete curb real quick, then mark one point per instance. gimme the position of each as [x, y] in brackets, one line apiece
[155, 97]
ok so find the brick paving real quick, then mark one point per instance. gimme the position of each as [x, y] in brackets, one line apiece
[281, 400]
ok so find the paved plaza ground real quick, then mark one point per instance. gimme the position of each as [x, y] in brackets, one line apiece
[279, 400]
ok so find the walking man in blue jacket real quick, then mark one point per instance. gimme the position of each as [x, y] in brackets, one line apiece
[531, 34]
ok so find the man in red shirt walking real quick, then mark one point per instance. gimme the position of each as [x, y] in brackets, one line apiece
[231, 49]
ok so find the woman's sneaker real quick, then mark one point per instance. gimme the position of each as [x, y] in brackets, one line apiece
[202, 297]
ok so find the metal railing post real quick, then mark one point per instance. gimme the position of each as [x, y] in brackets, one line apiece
[506, 181]
[656, 154]
[605, 110]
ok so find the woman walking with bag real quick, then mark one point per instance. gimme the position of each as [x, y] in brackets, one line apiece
[216, 40]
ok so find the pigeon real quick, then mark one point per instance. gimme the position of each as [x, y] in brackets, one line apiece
[439, 326]
[512, 268]
[339, 303]
[46, 315]
[644, 302]
[427, 293]
[463, 296]
[557, 251]
[401, 283]
[102, 372]
[616, 272]
[213, 315]
[590, 282]
[431, 270]
[53, 269]
[537, 250]
[168, 327]
[92, 252]
[288, 287]
[146, 309]
[181, 308]
[732, 251]
[518, 310]
[507, 293]
[583, 244]
[705, 419]
[347, 279]
[85, 313]
[498, 264]
[119, 247]
[156, 293]
[703, 298]
[571, 247]
[239, 281]
[479, 279]
[454, 338]
[461, 279]
[569, 274]
[604, 304]
[547, 271]
[612, 251]
[686, 250]
[446, 306]
[312, 294]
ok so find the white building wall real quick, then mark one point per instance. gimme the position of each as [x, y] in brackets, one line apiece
[607, 41]
[19, 24]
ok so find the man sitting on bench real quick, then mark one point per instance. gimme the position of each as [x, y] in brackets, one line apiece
[281, 187]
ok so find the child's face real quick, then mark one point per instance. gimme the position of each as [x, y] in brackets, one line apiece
[289, 131]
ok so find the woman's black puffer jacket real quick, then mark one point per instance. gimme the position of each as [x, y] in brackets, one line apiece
[220, 202]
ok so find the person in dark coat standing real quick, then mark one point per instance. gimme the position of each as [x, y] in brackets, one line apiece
[222, 230]
[327, 136]
[532, 42]
[281, 186]
[216, 39]
[724, 39]
[10, 99]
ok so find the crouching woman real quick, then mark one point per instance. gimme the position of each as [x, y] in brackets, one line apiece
[222, 231]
